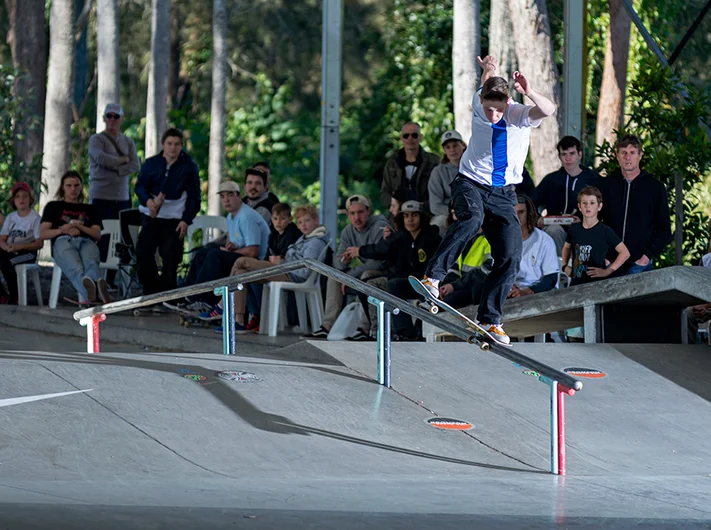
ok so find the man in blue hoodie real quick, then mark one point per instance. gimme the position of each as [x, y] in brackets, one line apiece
[636, 207]
[168, 189]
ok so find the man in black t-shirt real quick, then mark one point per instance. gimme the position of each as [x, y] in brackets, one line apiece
[589, 242]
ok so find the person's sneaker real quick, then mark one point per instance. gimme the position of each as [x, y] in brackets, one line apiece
[431, 285]
[103, 288]
[253, 324]
[215, 313]
[199, 307]
[320, 334]
[90, 287]
[179, 305]
[497, 332]
[360, 336]
[241, 329]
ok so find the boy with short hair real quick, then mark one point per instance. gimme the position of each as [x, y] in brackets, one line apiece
[589, 242]
[284, 232]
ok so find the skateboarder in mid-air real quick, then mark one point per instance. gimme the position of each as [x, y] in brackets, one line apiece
[483, 192]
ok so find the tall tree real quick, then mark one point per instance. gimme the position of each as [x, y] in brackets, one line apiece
[501, 43]
[81, 62]
[534, 51]
[107, 57]
[158, 75]
[465, 48]
[217, 116]
[611, 109]
[60, 88]
[28, 44]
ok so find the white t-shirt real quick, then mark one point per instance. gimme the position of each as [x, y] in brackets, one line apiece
[538, 259]
[21, 230]
[497, 151]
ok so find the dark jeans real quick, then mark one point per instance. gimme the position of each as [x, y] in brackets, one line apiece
[158, 234]
[402, 322]
[490, 208]
[108, 210]
[8, 260]
[636, 269]
[210, 263]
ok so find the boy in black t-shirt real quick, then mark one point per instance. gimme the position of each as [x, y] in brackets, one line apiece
[589, 242]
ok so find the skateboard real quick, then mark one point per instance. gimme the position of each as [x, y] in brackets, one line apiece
[433, 305]
[187, 320]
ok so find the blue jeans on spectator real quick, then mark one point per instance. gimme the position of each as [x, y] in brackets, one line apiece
[78, 257]
[490, 208]
[636, 269]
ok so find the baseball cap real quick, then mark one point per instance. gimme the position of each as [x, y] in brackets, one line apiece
[357, 199]
[22, 186]
[228, 185]
[450, 135]
[411, 206]
[113, 107]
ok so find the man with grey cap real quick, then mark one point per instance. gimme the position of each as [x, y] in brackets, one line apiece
[363, 229]
[442, 176]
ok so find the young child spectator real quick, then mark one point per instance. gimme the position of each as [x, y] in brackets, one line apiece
[19, 239]
[539, 260]
[75, 228]
[406, 254]
[590, 242]
[314, 238]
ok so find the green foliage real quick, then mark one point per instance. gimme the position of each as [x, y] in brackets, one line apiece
[675, 142]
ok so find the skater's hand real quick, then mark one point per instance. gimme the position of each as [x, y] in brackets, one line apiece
[643, 261]
[350, 253]
[487, 63]
[521, 83]
[182, 229]
[445, 290]
[275, 260]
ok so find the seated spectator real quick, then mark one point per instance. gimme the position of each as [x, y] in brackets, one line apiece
[256, 193]
[409, 168]
[557, 193]
[406, 254]
[539, 261]
[248, 235]
[442, 176]
[75, 229]
[263, 166]
[462, 287]
[590, 242]
[363, 229]
[168, 189]
[701, 313]
[314, 238]
[636, 207]
[19, 239]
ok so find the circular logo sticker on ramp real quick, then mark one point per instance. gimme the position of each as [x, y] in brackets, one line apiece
[590, 373]
[450, 424]
[239, 377]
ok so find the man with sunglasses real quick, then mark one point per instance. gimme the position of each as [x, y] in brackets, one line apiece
[409, 168]
[112, 160]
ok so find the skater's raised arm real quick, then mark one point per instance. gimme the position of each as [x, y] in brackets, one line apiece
[488, 66]
[544, 107]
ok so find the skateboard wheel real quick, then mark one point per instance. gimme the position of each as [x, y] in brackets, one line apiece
[434, 309]
[485, 346]
[136, 313]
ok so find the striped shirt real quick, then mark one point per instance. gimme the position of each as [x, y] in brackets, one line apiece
[496, 152]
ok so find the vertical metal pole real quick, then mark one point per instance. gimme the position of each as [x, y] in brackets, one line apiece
[331, 40]
[383, 345]
[229, 346]
[575, 24]
[93, 344]
[554, 428]
[560, 402]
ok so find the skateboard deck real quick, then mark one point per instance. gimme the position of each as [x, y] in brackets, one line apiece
[186, 320]
[434, 304]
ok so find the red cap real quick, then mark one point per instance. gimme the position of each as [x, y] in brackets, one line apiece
[21, 186]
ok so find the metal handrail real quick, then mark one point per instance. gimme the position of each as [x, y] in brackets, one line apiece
[234, 283]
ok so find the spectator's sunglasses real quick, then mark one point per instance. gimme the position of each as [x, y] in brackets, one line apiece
[415, 136]
[111, 116]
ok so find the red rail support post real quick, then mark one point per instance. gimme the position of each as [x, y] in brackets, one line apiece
[92, 332]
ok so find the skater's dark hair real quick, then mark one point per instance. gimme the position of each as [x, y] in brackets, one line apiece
[568, 142]
[495, 89]
[71, 174]
[172, 132]
[531, 212]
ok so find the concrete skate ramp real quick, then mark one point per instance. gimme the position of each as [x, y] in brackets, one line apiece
[161, 441]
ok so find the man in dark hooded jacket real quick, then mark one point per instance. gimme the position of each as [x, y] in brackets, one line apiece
[636, 207]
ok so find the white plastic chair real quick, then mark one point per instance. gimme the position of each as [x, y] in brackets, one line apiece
[308, 298]
[22, 270]
[212, 226]
[112, 227]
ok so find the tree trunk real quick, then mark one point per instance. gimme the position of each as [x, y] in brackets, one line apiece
[81, 64]
[158, 75]
[107, 57]
[174, 84]
[501, 38]
[60, 88]
[534, 52]
[611, 109]
[29, 57]
[217, 114]
[465, 48]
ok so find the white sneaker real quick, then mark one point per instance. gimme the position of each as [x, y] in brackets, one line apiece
[432, 286]
[497, 333]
